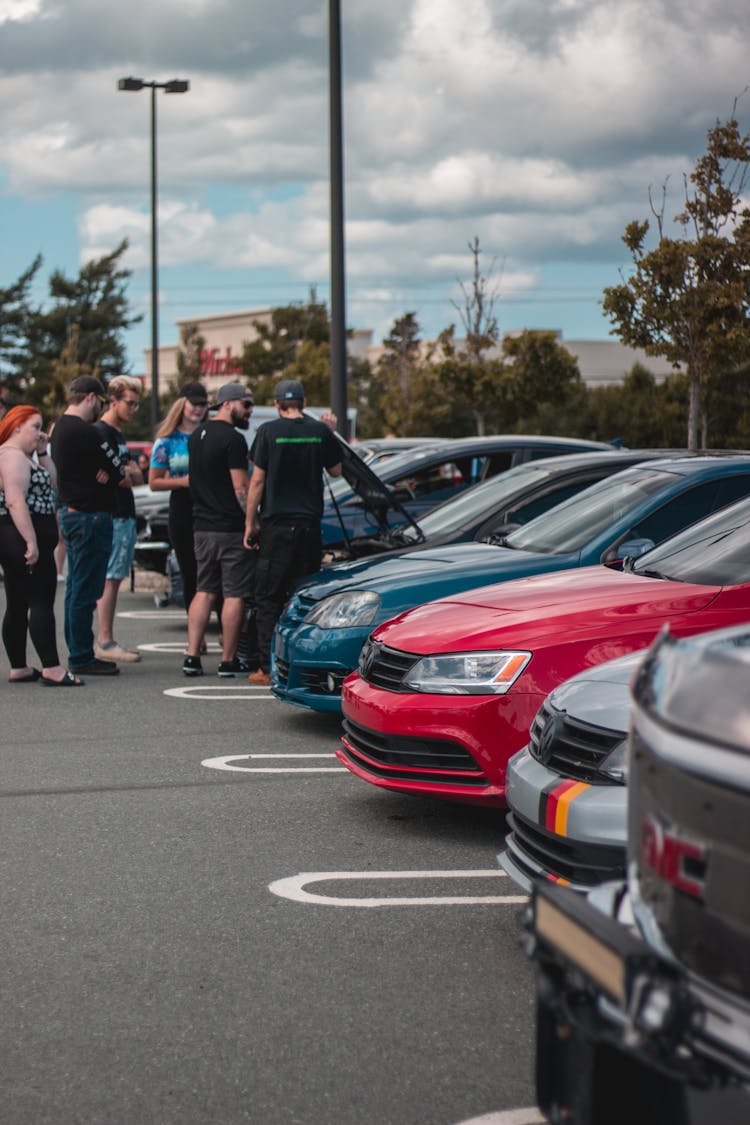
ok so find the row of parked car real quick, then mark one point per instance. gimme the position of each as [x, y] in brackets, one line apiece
[490, 659]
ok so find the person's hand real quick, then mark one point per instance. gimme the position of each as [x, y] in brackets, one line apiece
[102, 477]
[329, 418]
[31, 554]
[41, 445]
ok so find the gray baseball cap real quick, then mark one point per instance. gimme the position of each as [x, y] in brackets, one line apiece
[233, 392]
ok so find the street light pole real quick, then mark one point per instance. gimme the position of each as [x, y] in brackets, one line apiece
[338, 287]
[174, 86]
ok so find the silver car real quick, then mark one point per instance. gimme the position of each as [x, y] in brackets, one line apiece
[567, 789]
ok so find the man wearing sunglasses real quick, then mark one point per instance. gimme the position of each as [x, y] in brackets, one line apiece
[124, 399]
[218, 471]
[89, 473]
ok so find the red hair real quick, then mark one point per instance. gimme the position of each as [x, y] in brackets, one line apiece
[16, 416]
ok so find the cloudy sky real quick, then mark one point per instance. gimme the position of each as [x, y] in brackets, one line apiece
[535, 125]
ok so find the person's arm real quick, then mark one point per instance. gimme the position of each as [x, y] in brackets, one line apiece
[16, 470]
[159, 480]
[254, 499]
[45, 458]
[133, 475]
[240, 486]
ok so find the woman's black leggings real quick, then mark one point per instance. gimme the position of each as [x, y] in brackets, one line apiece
[29, 595]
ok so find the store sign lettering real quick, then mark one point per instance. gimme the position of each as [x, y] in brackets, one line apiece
[212, 363]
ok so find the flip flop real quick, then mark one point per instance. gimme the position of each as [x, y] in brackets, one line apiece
[68, 680]
[30, 679]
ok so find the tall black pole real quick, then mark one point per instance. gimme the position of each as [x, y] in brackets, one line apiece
[154, 277]
[338, 295]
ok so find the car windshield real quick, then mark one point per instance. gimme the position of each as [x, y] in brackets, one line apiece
[475, 501]
[581, 518]
[714, 552]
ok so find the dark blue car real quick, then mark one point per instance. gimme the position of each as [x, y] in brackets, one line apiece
[319, 637]
[371, 502]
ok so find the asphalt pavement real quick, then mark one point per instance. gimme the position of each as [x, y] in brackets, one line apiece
[198, 915]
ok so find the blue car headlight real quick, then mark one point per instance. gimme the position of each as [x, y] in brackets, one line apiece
[348, 610]
[467, 673]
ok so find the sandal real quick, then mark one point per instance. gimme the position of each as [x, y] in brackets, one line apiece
[68, 680]
[32, 678]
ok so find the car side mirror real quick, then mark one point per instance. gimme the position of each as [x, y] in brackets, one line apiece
[634, 548]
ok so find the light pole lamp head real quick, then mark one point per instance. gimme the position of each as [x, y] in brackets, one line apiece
[130, 84]
[176, 86]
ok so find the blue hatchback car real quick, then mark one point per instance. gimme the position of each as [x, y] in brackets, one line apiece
[319, 636]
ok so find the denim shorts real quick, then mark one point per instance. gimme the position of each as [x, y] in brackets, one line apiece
[123, 547]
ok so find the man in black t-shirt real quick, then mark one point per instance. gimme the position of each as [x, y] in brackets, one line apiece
[284, 506]
[88, 477]
[124, 399]
[218, 471]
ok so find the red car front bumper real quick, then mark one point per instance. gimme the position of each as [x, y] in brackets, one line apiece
[450, 746]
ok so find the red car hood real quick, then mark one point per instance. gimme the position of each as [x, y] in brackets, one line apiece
[589, 601]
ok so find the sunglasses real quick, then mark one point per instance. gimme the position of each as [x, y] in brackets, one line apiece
[132, 403]
[248, 403]
[104, 401]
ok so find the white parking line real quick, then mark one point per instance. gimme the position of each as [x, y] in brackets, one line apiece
[154, 614]
[225, 764]
[174, 647]
[294, 886]
[530, 1115]
[222, 693]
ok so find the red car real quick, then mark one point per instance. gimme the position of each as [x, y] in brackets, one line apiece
[446, 693]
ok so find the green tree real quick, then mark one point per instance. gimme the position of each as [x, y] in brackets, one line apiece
[276, 347]
[688, 297]
[189, 352]
[475, 371]
[541, 386]
[81, 331]
[15, 314]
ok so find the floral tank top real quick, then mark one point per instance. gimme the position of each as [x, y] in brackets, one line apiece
[40, 496]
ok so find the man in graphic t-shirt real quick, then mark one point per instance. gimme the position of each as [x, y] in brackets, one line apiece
[88, 478]
[218, 470]
[284, 506]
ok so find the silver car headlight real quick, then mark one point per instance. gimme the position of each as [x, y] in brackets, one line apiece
[467, 673]
[348, 610]
[615, 765]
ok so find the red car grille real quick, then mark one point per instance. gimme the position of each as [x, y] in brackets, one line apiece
[411, 759]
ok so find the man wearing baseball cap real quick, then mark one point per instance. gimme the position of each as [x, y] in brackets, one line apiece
[89, 473]
[218, 472]
[284, 506]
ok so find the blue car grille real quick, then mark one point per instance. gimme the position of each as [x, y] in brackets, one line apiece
[571, 747]
[281, 667]
[586, 865]
[411, 759]
[385, 667]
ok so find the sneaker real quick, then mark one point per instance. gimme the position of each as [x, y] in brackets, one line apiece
[236, 667]
[116, 653]
[191, 666]
[96, 668]
[259, 678]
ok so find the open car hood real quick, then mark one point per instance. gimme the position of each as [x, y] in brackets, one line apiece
[381, 504]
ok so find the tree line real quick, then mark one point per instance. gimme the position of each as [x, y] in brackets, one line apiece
[686, 298]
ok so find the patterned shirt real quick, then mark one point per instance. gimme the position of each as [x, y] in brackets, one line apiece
[40, 497]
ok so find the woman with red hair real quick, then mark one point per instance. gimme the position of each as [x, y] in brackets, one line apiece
[28, 536]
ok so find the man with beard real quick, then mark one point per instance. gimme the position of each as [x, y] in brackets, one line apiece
[218, 472]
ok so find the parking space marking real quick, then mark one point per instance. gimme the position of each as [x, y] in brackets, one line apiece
[226, 763]
[174, 647]
[154, 614]
[294, 888]
[222, 693]
[529, 1115]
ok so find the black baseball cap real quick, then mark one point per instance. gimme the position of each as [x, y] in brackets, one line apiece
[195, 393]
[87, 385]
[289, 389]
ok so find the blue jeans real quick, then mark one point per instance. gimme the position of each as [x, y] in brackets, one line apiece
[88, 542]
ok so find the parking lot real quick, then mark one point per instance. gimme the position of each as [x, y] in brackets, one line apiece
[205, 918]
